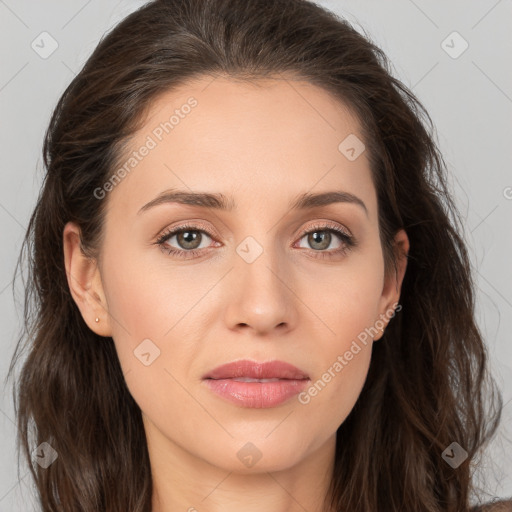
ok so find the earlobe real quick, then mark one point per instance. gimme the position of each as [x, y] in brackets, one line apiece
[84, 281]
[393, 282]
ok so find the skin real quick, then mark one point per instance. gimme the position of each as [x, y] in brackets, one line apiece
[261, 145]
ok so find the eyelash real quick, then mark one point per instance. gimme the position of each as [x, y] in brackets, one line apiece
[347, 240]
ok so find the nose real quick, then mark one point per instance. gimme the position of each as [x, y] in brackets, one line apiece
[262, 298]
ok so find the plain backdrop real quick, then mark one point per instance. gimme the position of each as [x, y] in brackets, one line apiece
[455, 56]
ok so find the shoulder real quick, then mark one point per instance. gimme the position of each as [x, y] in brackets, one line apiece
[497, 506]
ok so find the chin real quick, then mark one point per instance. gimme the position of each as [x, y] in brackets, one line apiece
[260, 455]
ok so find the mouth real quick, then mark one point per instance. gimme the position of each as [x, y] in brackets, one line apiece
[256, 385]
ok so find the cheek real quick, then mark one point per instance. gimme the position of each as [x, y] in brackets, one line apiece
[146, 313]
[154, 324]
[336, 386]
[148, 301]
[347, 298]
[348, 308]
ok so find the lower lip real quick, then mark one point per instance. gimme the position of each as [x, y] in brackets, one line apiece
[258, 395]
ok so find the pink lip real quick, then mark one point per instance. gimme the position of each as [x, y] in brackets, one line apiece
[258, 395]
[254, 370]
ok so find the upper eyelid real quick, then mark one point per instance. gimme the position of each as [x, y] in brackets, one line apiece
[327, 225]
[169, 233]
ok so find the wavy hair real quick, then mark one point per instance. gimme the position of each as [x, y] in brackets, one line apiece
[428, 384]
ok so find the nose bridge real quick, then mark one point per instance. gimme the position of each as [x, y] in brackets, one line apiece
[261, 299]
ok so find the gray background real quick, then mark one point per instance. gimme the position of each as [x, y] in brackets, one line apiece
[468, 97]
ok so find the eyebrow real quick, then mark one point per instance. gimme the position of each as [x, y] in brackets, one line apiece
[221, 202]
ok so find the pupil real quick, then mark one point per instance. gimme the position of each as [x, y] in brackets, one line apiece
[320, 237]
[188, 237]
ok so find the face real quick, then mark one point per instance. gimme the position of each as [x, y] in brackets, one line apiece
[270, 276]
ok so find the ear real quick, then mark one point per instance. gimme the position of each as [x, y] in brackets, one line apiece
[84, 281]
[393, 281]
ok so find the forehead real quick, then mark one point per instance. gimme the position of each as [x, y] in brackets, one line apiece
[262, 105]
[222, 134]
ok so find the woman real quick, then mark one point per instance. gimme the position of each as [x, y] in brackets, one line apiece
[248, 283]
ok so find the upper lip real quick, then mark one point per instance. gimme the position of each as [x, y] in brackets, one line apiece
[255, 370]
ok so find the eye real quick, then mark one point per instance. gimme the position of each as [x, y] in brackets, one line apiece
[189, 240]
[192, 241]
[320, 237]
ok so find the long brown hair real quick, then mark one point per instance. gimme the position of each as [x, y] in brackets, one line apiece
[428, 383]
